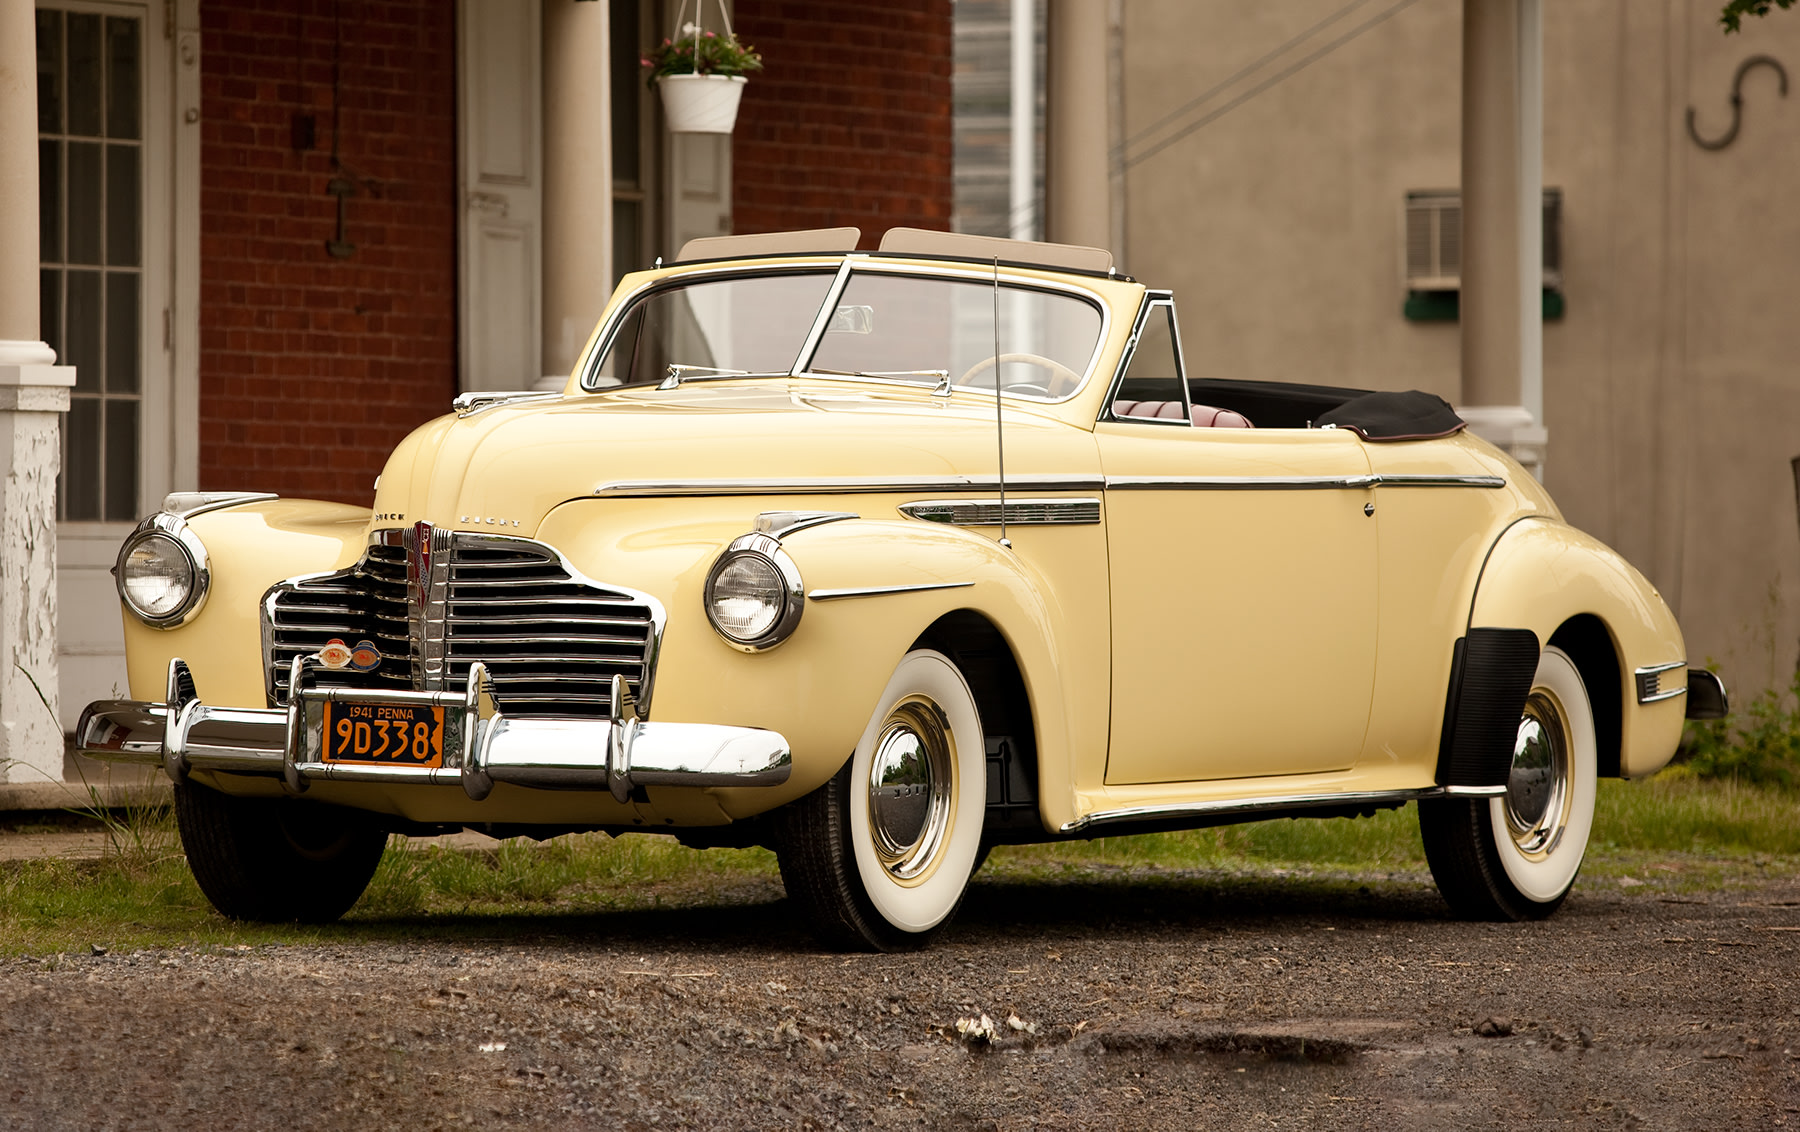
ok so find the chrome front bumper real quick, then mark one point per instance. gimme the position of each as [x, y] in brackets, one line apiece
[481, 746]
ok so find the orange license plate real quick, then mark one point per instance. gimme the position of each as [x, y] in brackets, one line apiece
[384, 734]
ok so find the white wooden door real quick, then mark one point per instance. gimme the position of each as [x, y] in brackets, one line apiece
[500, 120]
[119, 275]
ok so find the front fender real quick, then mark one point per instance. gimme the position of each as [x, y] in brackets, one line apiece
[249, 548]
[818, 687]
[1541, 574]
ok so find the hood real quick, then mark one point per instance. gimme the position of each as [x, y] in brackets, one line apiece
[502, 469]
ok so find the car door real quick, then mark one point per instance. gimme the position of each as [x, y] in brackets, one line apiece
[1243, 565]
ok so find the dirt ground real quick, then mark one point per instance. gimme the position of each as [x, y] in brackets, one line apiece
[1150, 1001]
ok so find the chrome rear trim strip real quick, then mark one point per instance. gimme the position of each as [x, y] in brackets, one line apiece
[877, 591]
[844, 485]
[1019, 513]
[1294, 483]
[1177, 811]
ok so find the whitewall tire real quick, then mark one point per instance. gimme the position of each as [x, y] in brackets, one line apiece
[879, 857]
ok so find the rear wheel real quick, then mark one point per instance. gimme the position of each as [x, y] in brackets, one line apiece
[878, 858]
[276, 859]
[1515, 856]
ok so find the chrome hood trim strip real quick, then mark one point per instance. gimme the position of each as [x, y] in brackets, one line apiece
[843, 485]
[877, 591]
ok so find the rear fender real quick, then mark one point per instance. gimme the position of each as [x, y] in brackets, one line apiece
[1542, 574]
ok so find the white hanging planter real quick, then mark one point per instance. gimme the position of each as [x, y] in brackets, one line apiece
[701, 104]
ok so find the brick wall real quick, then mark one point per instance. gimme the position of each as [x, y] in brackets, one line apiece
[849, 123]
[312, 366]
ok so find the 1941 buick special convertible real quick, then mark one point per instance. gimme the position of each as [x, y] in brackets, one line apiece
[879, 559]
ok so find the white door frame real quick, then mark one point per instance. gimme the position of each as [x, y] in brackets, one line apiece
[91, 651]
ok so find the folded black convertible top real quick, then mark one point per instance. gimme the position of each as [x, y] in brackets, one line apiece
[1412, 415]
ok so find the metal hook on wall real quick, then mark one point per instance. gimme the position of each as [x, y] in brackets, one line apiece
[1737, 101]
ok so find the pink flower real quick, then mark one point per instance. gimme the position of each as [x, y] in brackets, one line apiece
[712, 35]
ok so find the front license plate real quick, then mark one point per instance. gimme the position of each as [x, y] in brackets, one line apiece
[384, 734]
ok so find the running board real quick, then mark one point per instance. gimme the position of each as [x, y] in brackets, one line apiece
[1177, 814]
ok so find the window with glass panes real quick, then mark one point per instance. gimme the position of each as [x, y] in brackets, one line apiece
[90, 192]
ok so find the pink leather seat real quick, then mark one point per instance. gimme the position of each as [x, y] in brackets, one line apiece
[1204, 416]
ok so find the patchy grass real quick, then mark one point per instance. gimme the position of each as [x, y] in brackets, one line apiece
[1679, 833]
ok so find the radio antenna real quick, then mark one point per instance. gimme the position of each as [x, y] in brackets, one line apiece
[999, 425]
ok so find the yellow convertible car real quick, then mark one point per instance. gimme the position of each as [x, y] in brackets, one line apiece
[879, 559]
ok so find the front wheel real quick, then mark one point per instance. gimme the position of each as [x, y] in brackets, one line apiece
[878, 857]
[1515, 856]
[276, 859]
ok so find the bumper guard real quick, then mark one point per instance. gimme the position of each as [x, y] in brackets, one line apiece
[481, 745]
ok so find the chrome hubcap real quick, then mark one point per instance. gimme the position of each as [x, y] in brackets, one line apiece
[909, 788]
[1537, 789]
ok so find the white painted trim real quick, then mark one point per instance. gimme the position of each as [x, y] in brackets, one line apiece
[184, 307]
[1021, 202]
[21, 354]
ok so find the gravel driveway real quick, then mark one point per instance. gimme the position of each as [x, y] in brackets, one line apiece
[1162, 1000]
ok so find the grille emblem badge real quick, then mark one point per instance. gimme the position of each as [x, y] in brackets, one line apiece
[428, 592]
[418, 566]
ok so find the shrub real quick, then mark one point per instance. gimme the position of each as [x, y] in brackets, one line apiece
[1759, 745]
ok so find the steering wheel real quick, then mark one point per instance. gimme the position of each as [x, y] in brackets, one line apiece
[1063, 373]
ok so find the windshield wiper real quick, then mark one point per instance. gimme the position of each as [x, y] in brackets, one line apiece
[940, 377]
[677, 373]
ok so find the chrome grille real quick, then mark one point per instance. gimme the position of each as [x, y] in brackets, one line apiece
[551, 640]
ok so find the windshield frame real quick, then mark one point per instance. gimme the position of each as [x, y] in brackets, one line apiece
[844, 269]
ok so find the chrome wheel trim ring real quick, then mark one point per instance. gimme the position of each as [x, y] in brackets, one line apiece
[1538, 796]
[910, 789]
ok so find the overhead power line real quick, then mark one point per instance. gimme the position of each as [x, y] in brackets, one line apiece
[1208, 119]
[1207, 95]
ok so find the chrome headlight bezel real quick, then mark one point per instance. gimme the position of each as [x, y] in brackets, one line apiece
[793, 597]
[174, 530]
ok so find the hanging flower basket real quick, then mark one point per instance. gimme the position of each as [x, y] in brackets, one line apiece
[701, 104]
[701, 74]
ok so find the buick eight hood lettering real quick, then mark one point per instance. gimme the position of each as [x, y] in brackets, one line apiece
[880, 559]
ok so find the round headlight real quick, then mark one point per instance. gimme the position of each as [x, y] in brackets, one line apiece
[159, 577]
[753, 595]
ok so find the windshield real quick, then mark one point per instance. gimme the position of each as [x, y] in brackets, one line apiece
[919, 326]
[746, 324]
[915, 328]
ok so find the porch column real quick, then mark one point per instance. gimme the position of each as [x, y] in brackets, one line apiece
[577, 179]
[1077, 189]
[33, 390]
[1502, 234]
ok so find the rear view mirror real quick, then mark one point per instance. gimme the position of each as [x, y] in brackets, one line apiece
[852, 320]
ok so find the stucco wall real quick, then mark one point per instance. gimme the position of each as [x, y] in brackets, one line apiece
[1672, 395]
